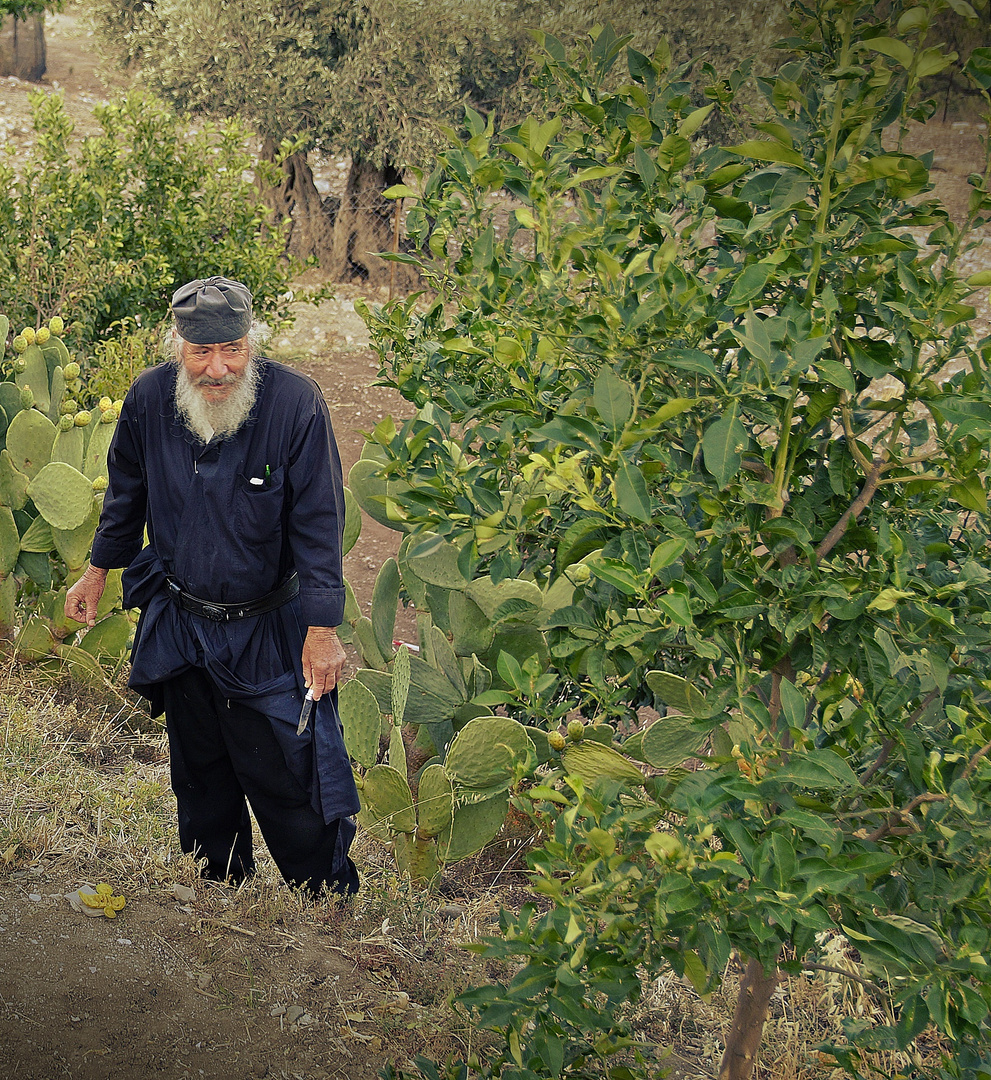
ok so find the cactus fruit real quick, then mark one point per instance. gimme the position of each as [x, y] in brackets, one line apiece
[27, 396]
[104, 404]
[42, 334]
[28, 334]
[109, 416]
[63, 496]
[20, 345]
[56, 325]
[20, 364]
[71, 370]
[66, 423]
[576, 730]
[556, 740]
[101, 483]
[69, 407]
[81, 419]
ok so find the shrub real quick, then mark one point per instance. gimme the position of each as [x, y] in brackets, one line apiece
[732, 397]
[107, 230]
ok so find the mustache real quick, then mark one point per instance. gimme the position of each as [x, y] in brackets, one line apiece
[224, 380]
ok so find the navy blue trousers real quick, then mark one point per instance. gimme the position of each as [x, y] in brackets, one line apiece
[224, 755]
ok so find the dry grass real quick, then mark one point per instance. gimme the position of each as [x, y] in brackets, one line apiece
[82, 792]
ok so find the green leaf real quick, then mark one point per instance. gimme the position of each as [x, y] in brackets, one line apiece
[970, 494]
[888, 46]
[765, 150]
[837, 374]
[750, 284]
[631, 491]
[400, 191]
[694, 120]
[613, 399]
[722, 446]
[677, 693]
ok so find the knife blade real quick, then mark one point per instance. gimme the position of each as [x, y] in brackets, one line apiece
[304, 714]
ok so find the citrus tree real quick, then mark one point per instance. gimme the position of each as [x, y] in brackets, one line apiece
[733, 394]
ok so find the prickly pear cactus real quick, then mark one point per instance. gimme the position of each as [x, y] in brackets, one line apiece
[53, 465]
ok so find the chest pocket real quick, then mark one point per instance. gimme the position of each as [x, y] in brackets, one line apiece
[258, 507]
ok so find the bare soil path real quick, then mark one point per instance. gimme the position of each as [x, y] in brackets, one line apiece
[228, 986]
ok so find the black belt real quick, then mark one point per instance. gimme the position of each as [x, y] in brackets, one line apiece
[227, 612]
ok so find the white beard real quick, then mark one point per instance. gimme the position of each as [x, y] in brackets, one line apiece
[216, 420]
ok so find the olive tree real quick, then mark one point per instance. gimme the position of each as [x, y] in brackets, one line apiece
[377, 80]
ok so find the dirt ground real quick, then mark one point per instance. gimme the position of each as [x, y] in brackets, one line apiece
[175, 988]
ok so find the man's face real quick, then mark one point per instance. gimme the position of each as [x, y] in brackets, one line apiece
[215, 369]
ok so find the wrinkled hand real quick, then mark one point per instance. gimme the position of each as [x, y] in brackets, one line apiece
[323, 660]
[83, 598]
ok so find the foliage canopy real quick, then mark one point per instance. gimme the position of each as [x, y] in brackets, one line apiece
[731, 394]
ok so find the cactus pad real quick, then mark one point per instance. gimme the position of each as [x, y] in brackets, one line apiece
[670, 741]
[434, 560]
[37, 537]
[474, 825]
[509, 598]
[10, 399]
[64, 496]
[29, 440]
[386, 803]
[590, 760]
[74, 544]
[109, 638]
[375, 494]
[473, 632]
[434, 801]
[677, 693]
[385, 600]
[490, 753]
[35, 375]
[35, 640]
[362, 722]
[95, 458]
[10, 541]
[352, 522]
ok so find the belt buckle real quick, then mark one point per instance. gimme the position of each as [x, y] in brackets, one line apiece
[215, 614]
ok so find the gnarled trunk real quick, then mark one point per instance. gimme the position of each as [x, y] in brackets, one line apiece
[22, 47]
[342, 234]
[743, 1041]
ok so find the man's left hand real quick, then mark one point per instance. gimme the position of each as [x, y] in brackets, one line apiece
[323, 660]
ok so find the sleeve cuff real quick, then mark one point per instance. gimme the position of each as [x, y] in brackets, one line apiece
[110, 555]
[322, 607]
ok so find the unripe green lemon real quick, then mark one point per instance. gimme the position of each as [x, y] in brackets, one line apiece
[42, 335]
[82, 419]
[576, 730]
[20, 345]
[556, 740]
[28, 334]
[56, 325]
[66, 423]
[101, 483]
[71, 370]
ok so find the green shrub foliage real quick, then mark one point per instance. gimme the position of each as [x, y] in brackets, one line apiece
[731, 394]
[106, 230]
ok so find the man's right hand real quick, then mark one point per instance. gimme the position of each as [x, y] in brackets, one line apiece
[83, 598]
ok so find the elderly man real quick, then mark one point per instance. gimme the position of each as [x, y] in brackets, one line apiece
[229, 461]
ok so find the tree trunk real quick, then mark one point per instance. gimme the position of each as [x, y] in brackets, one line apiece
[342, 234]
[743, 1041]
[366, 224]
[296, 199]
[22, 47]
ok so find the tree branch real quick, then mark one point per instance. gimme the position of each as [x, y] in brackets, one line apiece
[904, 815]
[835, 534]
[889, 744]
[972, 764]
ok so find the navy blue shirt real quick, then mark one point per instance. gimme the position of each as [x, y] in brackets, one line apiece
[228, 539]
